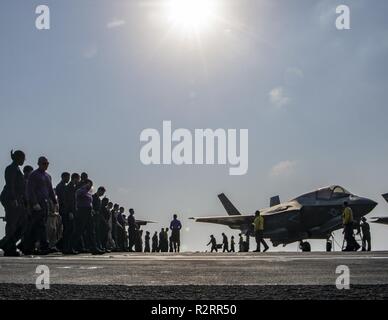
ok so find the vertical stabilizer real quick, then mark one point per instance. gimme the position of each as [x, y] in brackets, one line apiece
[229, 207]
[274, 201]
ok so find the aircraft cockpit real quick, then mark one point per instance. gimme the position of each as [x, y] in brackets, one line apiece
[328, 193]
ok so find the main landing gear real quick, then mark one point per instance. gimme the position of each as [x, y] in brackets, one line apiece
[304, 246]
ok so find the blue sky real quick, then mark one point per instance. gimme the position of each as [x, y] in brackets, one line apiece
[312, 97]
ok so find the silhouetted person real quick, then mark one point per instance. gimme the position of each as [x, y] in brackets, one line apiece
[147, 242]
[171, 246]
[155, 242]
[54, 228]
[225, 243]
[13, 200]
[68, 219]
[132, 228]
[84, 218]
[25, 229]
[125, 233]
[348, 223]
[97, 217]
[115, 213]
[258, 225]
[213, 244]
[246, 243]
[139, 241]
[161, 240]
[108, 214]
[232, 244]
[241, 243]
[104, 226]
[175, 227]
[84, 180]
[366, 238]
[26, 173]
[40, 193]
[121, 230]
[165, 240]
[60, 191]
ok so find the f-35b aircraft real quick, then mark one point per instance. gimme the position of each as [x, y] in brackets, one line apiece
[314, 215]
[141, 223]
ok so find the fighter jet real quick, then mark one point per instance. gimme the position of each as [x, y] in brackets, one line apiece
[143, 222]
[314, 215]
[140, 222]
[381, 220]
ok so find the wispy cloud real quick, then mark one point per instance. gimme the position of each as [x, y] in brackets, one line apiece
[115, 24]
[282, 168]
[278, 98]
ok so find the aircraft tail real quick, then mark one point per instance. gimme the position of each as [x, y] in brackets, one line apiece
[274, 201]
[229, 207]
[385, 196]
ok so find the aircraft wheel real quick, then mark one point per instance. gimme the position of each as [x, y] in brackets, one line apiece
[329, 246]
[306, 247]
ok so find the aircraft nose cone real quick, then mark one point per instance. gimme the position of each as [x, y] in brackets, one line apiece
[366, 204]
[372, 204]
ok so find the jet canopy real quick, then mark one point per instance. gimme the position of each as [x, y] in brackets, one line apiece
[328, 193]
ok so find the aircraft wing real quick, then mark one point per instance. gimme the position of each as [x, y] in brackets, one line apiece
[381, 220]
[230, 221]
[143, 222]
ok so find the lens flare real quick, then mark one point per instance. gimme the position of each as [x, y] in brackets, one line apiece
[191, 15]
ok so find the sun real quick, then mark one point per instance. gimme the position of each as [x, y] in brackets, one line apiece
[191, 15]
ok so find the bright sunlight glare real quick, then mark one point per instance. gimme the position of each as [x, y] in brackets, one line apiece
[191, 15]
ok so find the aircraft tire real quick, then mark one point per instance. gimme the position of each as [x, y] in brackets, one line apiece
[306, 247]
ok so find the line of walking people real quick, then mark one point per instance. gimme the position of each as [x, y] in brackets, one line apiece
[243, 244]
[70, 219]
[258, 230]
